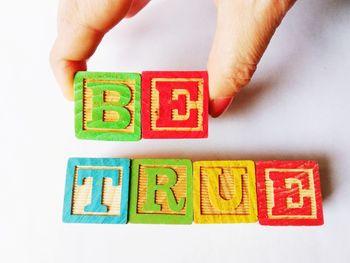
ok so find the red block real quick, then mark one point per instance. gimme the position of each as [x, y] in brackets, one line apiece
[289, 193]
[174, 104]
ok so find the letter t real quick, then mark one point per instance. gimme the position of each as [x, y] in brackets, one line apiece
[97, 186]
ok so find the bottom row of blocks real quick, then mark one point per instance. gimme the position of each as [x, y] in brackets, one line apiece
[168, 191]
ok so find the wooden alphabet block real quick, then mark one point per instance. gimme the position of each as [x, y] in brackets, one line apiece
[174, 104]
[224, 192]
[289, 193]
[107, 106]
[161, 191]
[97, 191]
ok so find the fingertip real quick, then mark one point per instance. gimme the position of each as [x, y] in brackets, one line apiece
[68, 93]
[222, 88]
[218, 106]
[64, 72]
[136, 7]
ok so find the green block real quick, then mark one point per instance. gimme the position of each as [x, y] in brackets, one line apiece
[161, 192]
[107, 106]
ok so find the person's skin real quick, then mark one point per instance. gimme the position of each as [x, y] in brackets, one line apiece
[244, 29]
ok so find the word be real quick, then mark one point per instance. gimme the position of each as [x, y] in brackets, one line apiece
[166, 191]
[108, 106]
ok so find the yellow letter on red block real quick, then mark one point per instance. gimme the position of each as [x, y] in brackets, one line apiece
[224, 192]
[289, 193]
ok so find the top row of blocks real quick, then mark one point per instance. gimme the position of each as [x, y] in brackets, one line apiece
[108, 105]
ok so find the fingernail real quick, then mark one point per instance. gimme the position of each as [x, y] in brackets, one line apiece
[219, 106]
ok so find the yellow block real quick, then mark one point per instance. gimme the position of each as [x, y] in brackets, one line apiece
[224, 192]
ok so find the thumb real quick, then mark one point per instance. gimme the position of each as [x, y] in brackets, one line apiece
[81, 27]
[244, 30]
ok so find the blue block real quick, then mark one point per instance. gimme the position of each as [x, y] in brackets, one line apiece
[95, 202]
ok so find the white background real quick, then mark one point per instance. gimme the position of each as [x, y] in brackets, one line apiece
[297, 107]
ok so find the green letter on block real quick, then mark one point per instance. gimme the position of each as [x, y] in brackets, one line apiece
[107, 106]
[161, 191]
[153, 187]
[100, 107]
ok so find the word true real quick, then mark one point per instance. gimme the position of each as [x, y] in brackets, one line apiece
[110, 106]
[167, 191]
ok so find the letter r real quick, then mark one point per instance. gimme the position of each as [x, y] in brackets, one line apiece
[153, 187]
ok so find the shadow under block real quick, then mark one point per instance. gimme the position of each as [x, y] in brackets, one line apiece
[161, 192]
[224, 192]
[107, 106]
[97, 191]
[174, 104]
[289, 193]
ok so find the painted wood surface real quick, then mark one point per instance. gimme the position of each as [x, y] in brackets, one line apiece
[224, 192]
[174, 104]
[289, 193]
[97, 191]
[161, 191]
[107, 106]
[164, 191]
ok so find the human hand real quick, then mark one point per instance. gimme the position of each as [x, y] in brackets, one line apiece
[244, 30]
[81, 27]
